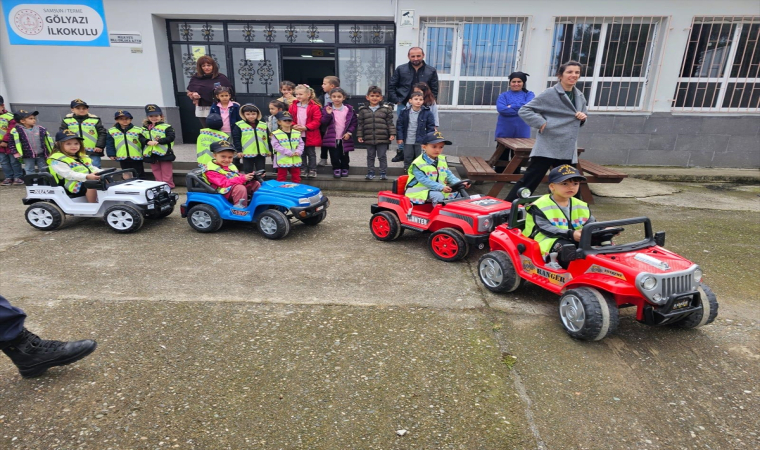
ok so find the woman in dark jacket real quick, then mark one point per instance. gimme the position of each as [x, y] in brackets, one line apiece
[202, 85]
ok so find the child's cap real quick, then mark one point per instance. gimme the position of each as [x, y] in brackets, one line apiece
[214, 121]
[23, 114]
[221, 146]
[434, 137]
[152, 109]
[66, 135]
[124, 113]
[79, 102]
[564, 172]
[284, 115]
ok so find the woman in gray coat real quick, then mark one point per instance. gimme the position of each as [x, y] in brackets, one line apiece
[558, 113]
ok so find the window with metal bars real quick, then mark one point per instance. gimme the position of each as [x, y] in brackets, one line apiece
[616, 54]
[473, 56]
[721, 66]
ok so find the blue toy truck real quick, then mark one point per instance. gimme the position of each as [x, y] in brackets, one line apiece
[273, 205]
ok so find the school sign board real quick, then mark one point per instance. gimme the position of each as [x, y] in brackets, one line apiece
[61, 22]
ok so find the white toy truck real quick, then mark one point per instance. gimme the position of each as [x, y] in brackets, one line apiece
[122, 203]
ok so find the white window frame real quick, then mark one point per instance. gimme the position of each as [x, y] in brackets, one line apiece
[595, 79]
[724, 80]
[455, 76]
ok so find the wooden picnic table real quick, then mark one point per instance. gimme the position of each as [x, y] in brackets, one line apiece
[479, 169]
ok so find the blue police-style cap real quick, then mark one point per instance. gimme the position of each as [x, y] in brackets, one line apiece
[79, 102]
[153, 110]
[66, 135]
[23, 114]
[122, 112]
[221, 146]
[284, 115]
[434, 137]
[564, 172]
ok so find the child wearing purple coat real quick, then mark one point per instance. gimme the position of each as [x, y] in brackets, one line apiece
[339, 121]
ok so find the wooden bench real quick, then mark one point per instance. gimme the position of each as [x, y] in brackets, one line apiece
[479, 169]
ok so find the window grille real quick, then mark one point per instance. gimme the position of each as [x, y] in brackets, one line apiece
[616, 54]
[721, 66]
[473, 56]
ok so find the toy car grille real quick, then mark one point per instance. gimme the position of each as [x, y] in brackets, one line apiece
[676, 285]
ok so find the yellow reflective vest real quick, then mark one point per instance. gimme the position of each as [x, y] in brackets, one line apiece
[213, 167]
[127, 143]
[86, 130]
[79, 165]
[291, 143]
[579, 215]
[254, 141]
[203, 144]
[20, 149]
[5, 119]
[158, 132]
[418, 192]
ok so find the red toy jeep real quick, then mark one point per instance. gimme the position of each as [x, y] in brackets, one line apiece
[455, 224]
[665, 288]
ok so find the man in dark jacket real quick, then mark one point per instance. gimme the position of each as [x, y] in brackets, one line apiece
[404, 77]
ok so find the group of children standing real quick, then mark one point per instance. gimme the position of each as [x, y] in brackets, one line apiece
[23, 139]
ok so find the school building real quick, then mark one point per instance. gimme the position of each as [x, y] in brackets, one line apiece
[669, 82]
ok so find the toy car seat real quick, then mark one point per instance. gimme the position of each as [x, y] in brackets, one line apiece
[196, 183]
[41, 179]
[399, 186]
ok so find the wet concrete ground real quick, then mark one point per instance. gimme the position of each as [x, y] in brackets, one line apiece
[331, 339]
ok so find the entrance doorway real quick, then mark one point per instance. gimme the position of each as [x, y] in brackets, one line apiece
[308, 65]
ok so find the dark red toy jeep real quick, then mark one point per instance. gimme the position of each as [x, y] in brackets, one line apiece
[665, 288]
[455, 225]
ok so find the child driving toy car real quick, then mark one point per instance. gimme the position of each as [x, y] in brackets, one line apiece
[557, 219]
[429, 174]
[71, 167]
[223, 176]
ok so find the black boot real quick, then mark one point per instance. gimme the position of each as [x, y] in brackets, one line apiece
[399, 157]
[33, 356]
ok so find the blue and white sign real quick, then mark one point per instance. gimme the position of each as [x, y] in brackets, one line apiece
[62, 22]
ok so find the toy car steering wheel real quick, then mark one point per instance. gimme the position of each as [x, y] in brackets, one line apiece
[456, 187]
[107, 171]
[258, 175]
[605, 234]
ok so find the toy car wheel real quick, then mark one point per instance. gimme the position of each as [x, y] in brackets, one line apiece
[204, 218]
[385, 226]
[314, 220]
[448, 244]
[497, 272]
[44, 216]
[273, 224]
[123, 218]
[588, 314]
[699, 318]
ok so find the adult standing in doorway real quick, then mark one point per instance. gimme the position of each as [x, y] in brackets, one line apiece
[509, 124]
[557, 113]
[202, 85]
[404, 77]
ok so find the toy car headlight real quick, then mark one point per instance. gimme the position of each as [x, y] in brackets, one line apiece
[485, 223]
[320, 196]
[303, 201]
[166, 188]
[648, 282]
[150, 194]
[698, 275]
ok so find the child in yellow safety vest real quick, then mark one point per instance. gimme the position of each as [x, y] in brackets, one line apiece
[223, 176]
[31, 141]
[288, 148]
[251, 138]
[429, 174]
[71, 166]
[123, 144]
[157, 138]
[212, 133]
[88, 127]
[557, 219]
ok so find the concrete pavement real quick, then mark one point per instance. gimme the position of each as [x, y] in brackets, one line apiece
[331, 339]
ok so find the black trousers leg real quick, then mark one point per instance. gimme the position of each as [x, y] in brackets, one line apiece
[11, 321]
[537, 168]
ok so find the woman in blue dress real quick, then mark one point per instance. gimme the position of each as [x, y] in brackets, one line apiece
[509, 124]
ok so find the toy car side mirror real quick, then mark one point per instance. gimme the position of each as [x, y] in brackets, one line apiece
[569, 252]
[659, 238]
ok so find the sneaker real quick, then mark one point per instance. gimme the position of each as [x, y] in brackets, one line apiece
[18, 182]
[312, 174]
[304, 172]
[7, 182]
[344, 173]
[370, 176]
[336, 173]
[33, 356]
[322, 163]
[399, 157]
[383, 176]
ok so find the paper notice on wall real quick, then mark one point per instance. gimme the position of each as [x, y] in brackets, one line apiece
[254, 54]
[198, 51]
